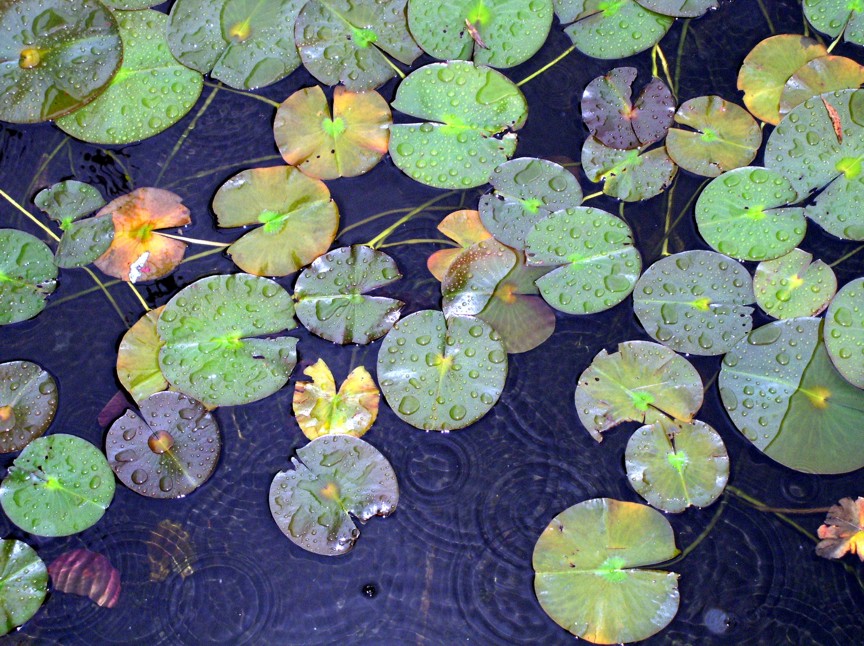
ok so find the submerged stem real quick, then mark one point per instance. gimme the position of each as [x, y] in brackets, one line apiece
[179, 143]
[847, 256]
[264, 99]
[547, 66]
[105, 291]
[419, 241]
[381, 237]
[705, 532]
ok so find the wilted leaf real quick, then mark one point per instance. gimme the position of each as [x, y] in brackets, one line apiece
[843, 531]
[170, 551]
[464, 227]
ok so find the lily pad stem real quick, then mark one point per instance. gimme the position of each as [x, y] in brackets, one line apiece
[395, 69]
[546, 67]
[841, 34]
[708, 529]
[846, 256]
[105, 291]
[418, 241]
[384, 214]
[249, 94]
[206, 243]
[32, 217]
[657, 52]
[761, 506]
[593, 195]
[381, 237]
[140, 298]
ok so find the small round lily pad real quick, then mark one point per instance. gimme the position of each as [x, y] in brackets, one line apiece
[68, 201]
[793, 285]
[59, 485]
[84, 240]
[834, 17]
[27, 275]
[844, 332]
[138, 358]
[629, 175]
[333, 476]
[820, 75]
[28, 402]
[23, 583]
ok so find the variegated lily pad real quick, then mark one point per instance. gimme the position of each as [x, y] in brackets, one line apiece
[27, 275]
[629, 175]
[138, 358]
[844, 332]
[793, 285]
[463, 227]
[820, 75]
[28, 402]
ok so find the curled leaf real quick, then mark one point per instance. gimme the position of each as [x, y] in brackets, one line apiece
[843, 531]
[170, 551]
[87, 574]
[464, 227]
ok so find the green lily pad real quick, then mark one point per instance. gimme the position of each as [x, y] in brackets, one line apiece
[332, 295]
[333, 476]
[27, 275]
[150, 92]
[793, 285]
[56, 56]
[59, 485]
[589, 560]
[526, 190]
[168, 450]
[596, 262]
[617, 29]
[844, 332]
[723, 136]
[23, 583]
[348, 41]
[738, 214]
[68, 201]
[674, 466]
[138, 358]
[298, 216]
[83, 241]
[680, 8]
[823, 74]
[498, 33]
[461, 149]
[629, 175]
[695, 302]
[28, 402]
[209, 330]
[130, 5]
[473, 277]
[439, 374]
[784, 394]
[246, 44]
[641, 382]
[834, 17]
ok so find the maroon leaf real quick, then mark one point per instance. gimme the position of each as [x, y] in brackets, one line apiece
[87, 574]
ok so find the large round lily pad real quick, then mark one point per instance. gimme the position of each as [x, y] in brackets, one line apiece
[834, 17]
[680, 8]
[59, 485]
[23, 583]
[821, 75]
[27, 275]
[168, 450]
[84, 240]
[441, 375]
[588, 571]
[138, 358]
[332, 295]
[793, 285]
[28, 402]
[629, 175]
[209, 331]
[333, 476]
[844, 331]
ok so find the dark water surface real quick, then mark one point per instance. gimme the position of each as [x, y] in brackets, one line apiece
[453, 564]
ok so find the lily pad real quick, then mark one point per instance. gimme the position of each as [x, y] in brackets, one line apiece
[27, 275]
[59, 485]
[210, 350]
[471, 106]
[463, 227]
[629, 175]
[332, 298]
[130, 5]
[695, 302]
[246, 44]
[88, 574]
[57, 56]
[298, 216]
[596, 262]
[84, 240]
[439, 374]
[784, 394]
[590, 560]
[834, 17]
[23, 581]
[68, 201]
[138, 358]
[823, 74]
[641, 382]
[844, 332]
[793, 285]
[150, 92]
[320, 410]
[473, 277]
[28, 402]
[740, 214]
[168, 450]
[498, 33]
[843, 530]
[680, 8]
[723, 136]
[674, 466]
[333, 476]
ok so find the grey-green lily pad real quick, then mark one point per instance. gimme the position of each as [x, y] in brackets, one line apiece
[589, 576]
[470, 107]
[59, 485]
[440, 374]
[596, 263]
[84, 240]
[333, 476]
[674, 466]
[834, 17]
[844, 332]
[130, 5]
[68, 201]
[498, 33]
[629, 175]
[695, 302]
[332, 295]
[138, 358]
[151, 92]
[784, 394]
[28, 402]
[27, 275]
[820, 75]
[793, 285]
[741, 214]
[168, 450]
[213, 351]
[23, 583]
[56, 56]
[680, 8]
[642, 382]
[473, 277]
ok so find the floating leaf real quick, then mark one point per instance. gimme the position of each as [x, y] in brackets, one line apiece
[23, 583]
[138, 358]
[680, 8]
[588, 571]
[793, 285]
[695, 302]
[210, 352]
[439, 374]
[823, 74]
[28, 402]
[641, 382]
[843, 531]
[470, 105]
[472, 278]
[299, 217]
[834, 17]
[83, 241]
[27, 275]
[844, 332]
[170, 551]
[88, 574]
[332, 298]
[333, 476]
[464, 227]
[68, 201]
[59, 485]
[629, 175]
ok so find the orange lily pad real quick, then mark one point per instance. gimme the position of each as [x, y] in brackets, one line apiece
[463, 227]
[843, 531]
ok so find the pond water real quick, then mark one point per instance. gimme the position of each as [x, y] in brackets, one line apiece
[453, 563]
